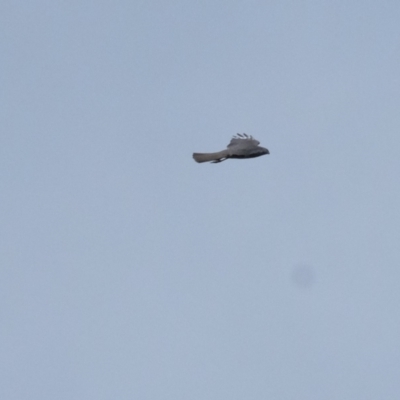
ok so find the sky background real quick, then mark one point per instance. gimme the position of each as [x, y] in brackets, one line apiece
[128, 271]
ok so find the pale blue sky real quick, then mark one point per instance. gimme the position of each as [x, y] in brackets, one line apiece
[128, 271]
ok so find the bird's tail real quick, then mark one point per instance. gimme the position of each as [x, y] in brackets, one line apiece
[216, 157]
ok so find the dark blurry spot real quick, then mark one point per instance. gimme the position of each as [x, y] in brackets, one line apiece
[303, 276]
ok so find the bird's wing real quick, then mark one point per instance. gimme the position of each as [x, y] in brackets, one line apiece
[241, 139]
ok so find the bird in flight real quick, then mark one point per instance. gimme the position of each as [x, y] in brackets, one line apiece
[241, 146]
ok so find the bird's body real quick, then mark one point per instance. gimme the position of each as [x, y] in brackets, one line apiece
[241, 146]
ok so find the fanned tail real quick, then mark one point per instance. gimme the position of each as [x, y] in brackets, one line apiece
[214, 157]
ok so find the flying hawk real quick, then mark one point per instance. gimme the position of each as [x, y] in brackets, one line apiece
[241, 146]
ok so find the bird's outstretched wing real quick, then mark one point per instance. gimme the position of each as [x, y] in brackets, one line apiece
[242, 139]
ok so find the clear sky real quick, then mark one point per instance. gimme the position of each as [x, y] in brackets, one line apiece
[128, 271]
